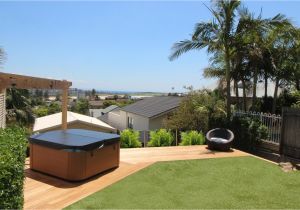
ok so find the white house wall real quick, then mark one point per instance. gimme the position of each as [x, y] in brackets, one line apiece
[116, 120]
[140, 123]
[156, 123]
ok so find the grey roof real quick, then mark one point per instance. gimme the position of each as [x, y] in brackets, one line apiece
[153, 106]
[95, 112]
[109, 109]
[99, 112]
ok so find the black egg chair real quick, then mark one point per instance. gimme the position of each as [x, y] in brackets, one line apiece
[219, 139]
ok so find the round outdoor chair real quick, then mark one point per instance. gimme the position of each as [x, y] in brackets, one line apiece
[219, 139]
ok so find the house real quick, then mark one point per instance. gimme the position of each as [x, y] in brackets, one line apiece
[143, 115]
[100, 112]
[104, 116]
[74, 120]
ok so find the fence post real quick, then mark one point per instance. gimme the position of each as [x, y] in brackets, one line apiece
[144, 138]
[176, 137]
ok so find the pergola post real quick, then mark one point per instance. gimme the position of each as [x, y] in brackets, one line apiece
[64, 105]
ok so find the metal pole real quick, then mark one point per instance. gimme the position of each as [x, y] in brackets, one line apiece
[144, 138]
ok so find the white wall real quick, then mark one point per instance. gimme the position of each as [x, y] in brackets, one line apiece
[2, 108]
[115, 120]
[156, 123]
[118, 120]
[140, 123]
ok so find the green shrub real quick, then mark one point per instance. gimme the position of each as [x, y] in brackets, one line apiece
[41, 111]
[199, 110]
[12, 159]
[161, 137]
[248, 132]
[130, 139]
[192, 138]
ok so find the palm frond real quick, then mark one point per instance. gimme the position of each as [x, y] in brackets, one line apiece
[205, 31]
[184, 46]
[211, 72]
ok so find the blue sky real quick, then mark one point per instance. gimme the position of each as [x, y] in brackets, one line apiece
[115, 45]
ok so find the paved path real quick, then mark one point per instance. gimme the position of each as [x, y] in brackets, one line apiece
[46, 192]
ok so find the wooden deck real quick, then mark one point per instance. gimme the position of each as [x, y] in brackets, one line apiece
[46, 192]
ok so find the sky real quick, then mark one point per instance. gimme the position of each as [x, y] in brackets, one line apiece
[112, 45]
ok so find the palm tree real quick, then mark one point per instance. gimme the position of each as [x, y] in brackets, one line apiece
[19, 107]
[282, 41]
[295, 51]
[252, 50]
[2, 55]
[215, 35]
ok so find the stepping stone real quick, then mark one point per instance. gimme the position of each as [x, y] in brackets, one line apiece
[286, 166]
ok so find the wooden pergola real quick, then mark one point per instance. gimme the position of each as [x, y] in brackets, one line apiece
[27, 82]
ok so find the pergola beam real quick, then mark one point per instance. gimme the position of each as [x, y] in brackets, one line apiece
[26, 82]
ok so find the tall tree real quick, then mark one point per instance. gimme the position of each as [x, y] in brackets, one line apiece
[281, 42]
[18, 107]
[215, 35]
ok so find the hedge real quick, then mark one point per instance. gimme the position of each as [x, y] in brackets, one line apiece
[12, 160]
[248, 132]
[160, 138]
[130, 139]
[192, 138]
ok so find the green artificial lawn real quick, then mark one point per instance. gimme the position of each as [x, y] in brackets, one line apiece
[243, 182]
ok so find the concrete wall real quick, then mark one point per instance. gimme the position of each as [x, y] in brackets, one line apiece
[2, 108]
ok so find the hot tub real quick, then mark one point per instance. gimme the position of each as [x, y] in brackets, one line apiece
[74, 154]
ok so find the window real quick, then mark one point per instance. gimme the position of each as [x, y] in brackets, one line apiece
[130, 122]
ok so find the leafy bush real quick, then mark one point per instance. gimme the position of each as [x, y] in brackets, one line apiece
[81, 107]
[130, 139]
[248, 132]
[12, 159]
[41, 111]
[192, 138]
[161, 137]
[296, 95]
[199, 110]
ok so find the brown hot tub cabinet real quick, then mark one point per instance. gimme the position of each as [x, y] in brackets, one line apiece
[74, 154]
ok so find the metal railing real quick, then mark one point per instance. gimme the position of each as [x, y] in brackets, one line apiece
[271, 121]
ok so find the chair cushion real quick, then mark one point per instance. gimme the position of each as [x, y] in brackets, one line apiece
[218, 140]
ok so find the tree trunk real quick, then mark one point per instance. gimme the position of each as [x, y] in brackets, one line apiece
[254, 87]
[227, 66]
[266, 86]
[297, 84]
[244, 95]
[275, 96]
[236, 88]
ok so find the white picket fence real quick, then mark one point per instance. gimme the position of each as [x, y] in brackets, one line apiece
[271, 121]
